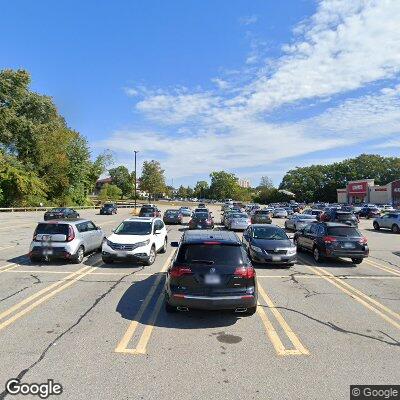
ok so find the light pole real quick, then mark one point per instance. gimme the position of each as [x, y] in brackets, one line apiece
[135, 151]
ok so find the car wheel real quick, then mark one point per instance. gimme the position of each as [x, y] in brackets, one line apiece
[395, 228]
[80, 253]
[164, 248]
[376, 226]
[35, 259]
[152, 256]
[251, 311]
[317, 255]
[107, 260]
[296, 243]
[357, 260]
[170, 309]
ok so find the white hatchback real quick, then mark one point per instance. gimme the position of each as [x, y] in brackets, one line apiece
[138, 239]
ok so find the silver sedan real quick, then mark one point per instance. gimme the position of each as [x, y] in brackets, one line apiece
[299, 221]
[238, 221]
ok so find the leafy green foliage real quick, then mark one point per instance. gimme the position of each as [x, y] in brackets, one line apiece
[153, 179]
[123, 179]
[110, 192]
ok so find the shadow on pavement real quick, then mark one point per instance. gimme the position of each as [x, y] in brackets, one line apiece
[134, 296]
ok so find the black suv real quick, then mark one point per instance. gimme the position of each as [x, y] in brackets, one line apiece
[211, 271]
[149, 211]
[332, 240]
[108, 209]
[344, 217]
[60, 213]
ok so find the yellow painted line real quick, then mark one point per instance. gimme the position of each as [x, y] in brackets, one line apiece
[24, 311]
[338, 283]
[383, 267]
[285, 326]
[8, 247]
[35, 271]
[122, 346]
[40, 293]
[8, 267]
[319, 277]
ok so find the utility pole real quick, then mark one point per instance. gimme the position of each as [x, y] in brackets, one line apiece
[135, 151]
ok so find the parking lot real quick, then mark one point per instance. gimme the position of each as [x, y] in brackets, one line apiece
[101, 330]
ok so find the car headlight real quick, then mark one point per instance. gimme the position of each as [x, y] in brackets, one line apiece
[291, 251]
[257, 249]
[109, 243]
[141, 244]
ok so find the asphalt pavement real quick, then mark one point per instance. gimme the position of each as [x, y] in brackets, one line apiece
[102, 333]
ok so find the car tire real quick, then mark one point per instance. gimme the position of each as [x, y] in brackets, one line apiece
[34, 259]
[395, 228]
[164, 248]
[251, 311]
[107, 260]
[78, 256]
[376, 226]
[152, 256]
[317, 255]
[298, 247]
[356, 260]
[170, 309]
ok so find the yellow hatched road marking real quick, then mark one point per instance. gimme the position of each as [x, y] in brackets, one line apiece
[383, 267]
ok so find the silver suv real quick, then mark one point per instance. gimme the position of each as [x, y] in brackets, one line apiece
[390, 221]
[68, 240]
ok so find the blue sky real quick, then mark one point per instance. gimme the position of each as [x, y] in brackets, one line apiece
[253, 87]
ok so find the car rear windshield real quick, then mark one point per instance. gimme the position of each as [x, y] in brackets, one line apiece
[57, 209]
[210, 254]
[343, 231]
[52, 229]
[262, 212]
[172, 212]
[345, 216]
[269, 233]
[305, 216]
[200, 215]
[133, 228]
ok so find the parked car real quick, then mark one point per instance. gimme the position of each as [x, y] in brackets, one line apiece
[299, 221]
[388, 221]
[269, 244]
[313, 211]
[201, 220]
[149, 211]
[344, 217]
[212, 272]
[108, 209]
[261, 217]
[201, 205]
[185, 211]
[225, 216]
[65, 240]
[289, 210]
[172, 217]
[332, 240]
[369, 212]
[60, 213]
[238, 221]
[280, 213]
[138, 239]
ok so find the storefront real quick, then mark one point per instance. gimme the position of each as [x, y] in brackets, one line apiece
[357, 192]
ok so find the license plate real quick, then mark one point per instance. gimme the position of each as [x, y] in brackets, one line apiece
[121, 254]
[212, 279]
[47, 252]
[199, 226]
[349, 245]
[276, 258]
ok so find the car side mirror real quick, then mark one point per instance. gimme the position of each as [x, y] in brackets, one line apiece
[174, 244]
[98, 228]
[113, 230]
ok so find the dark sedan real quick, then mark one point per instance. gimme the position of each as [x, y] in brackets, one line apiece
[172, 217]
[332, 240]
[60, 213]
[369, 212]
[269, 244]
[211, 272]
[201, 220]
[108, 209]
[344, 217]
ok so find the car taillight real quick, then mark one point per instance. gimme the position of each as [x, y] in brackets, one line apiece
[363, 240]
[245, 272]
[329, 239]
[180, 270]
[191, 221]
[71, 234]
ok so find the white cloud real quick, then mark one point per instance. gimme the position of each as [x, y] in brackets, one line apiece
[343, 46]
[394, 143]
[248, 20]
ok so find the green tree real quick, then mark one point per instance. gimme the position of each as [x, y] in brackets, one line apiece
[152, 179]
[201, 189]
[109, 192]
[223, 185]
[182, 192]
[123, 179]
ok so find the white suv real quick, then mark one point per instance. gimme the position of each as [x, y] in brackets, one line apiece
[138, 239]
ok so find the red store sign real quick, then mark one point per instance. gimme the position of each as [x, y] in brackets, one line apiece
[357, 188]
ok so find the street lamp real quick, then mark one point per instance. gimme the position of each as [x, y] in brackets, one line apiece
[135, 151]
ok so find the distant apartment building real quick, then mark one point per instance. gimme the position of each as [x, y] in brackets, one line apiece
[244, 183]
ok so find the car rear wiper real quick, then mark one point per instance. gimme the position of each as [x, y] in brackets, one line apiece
[208, 262]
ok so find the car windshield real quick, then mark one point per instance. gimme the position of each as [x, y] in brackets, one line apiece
[344, 216]
[269, 233]
[108, 205]
[200, 215]
[262, 212]
[172, 212]
[239, 215]
[58, 209]
[133, 228]
[304, 217]
[52, 229]
[210, 254]
[343, 231]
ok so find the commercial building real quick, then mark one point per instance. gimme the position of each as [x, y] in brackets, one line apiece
[365, 191]
[244, 183]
